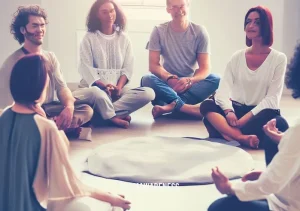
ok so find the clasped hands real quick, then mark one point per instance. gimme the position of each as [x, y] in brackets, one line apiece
[113, 91]
[180, 85]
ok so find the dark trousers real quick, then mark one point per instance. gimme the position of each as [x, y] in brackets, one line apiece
[232, 203]
[253, 127]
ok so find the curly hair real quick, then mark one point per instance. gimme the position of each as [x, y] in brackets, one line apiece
[93, 23]
[21, 19]
[292, 77]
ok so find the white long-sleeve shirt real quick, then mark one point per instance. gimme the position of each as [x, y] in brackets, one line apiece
[280, 183]
[261, 88]
[105, 57]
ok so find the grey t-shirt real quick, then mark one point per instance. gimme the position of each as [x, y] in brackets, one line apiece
[179, 49]
[56, 82]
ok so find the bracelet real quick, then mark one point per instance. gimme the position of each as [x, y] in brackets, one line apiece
[171, 77]
[229, 112]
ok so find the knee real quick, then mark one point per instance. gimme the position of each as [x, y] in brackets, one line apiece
[215, 79]
[215, 206]
[281, 124]
[207, 106]
[97, 94]
[149, 94]
[88, 112]
[148, 80]
[268, 113]
[145, 94]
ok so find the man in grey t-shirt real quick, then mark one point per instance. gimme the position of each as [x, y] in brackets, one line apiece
[183, 80]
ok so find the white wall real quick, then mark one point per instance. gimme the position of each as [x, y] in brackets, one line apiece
[291, 26]
[225, 21]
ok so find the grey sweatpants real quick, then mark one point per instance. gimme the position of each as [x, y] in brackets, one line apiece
[130, 101]
[82, 112]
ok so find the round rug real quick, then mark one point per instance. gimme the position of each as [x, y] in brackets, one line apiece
[183, 161]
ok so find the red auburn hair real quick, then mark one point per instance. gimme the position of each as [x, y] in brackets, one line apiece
[266, 25]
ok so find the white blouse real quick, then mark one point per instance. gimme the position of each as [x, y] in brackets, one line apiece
[261, 88]
[280, 183]
[105, 57]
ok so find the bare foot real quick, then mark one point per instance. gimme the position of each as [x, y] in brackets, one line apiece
[120, 122]
[249, 140]
[160, 110]
[193, 110]
[127, 118]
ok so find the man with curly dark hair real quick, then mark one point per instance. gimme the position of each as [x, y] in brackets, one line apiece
[28, 28]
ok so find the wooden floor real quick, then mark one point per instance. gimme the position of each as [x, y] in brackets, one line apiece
[144, 125]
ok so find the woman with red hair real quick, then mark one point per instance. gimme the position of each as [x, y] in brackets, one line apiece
[251, 88]
[277, 187]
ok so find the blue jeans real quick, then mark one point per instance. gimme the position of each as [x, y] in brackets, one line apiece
[196, 94]
[232, 203]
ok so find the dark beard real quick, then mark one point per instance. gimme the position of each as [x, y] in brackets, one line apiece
[30, 36]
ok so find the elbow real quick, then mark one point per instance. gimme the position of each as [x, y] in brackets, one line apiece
[273, 102]
[152, 68]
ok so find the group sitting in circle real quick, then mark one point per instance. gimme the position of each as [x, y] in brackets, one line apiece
[243, 105]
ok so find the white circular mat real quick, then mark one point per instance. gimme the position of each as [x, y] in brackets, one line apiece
[167, 160]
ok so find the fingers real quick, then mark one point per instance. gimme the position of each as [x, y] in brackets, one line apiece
[244, 178]
[108, 92]
[126, 204]
[179, 88]
[182, 85]
[63, 122]
[126, 207]
[222, 176]
[232, 120]
[271, 123]
[66, 122]
[218, 175]
[214, 176]
[59, 121]
[77, 122]
[233, 123]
